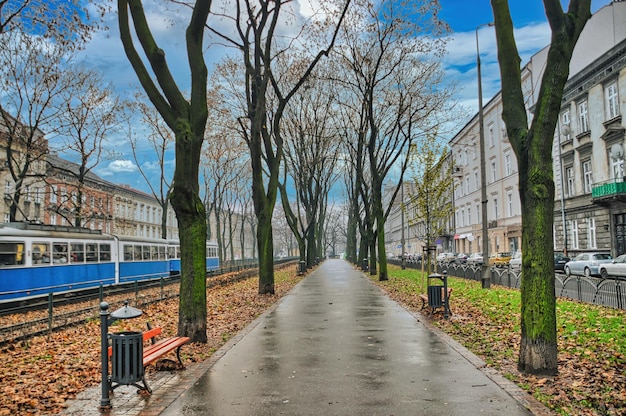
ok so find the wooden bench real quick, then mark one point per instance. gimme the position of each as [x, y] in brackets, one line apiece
[424, 299]
[156, 350]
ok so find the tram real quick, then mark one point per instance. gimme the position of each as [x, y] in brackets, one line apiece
[41, 259]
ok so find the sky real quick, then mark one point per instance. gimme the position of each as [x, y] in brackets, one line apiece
[532, 33]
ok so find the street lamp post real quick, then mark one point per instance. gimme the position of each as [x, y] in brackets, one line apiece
[486, 280]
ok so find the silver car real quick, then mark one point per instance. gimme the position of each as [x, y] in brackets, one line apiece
[475, 259]
[587, 264]
[516, 261]
[616, 268]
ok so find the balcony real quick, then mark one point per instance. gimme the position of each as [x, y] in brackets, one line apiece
[606, 192]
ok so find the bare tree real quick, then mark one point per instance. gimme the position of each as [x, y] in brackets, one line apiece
[187, 118]
[34, 78]
[396, 76]
[67, 23]
[533, 149]
[257, 24]
[311, 155]
[225, 169]
[89, 112]
[160, 141]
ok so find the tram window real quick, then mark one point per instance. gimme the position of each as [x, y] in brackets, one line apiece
[128, 252]
[11, 254]
[59, 251]
[146, 252]
[91, 252]
[105, 252]
[137, 253]
[77, 254]
[154, 252]
[171, 252]
[162, 253]
[178, 252]
[41, 253]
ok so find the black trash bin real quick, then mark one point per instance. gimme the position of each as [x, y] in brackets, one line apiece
[302, 267]
[365, 266]
[434, 296]
[127, 358]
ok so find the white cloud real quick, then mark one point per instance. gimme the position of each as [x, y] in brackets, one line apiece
[118, 167]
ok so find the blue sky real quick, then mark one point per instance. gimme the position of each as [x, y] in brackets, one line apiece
[532, 34]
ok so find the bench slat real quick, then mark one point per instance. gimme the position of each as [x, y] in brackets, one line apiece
[153, 352]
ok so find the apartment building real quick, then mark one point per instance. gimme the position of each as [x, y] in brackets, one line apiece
[588, 152]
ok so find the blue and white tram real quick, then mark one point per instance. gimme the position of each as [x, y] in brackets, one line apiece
[36, 259]
[212, 259]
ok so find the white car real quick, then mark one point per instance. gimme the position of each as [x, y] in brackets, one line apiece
[516, 261]
[587, 264]
[441, 257]
[616, 268]
[475, 259]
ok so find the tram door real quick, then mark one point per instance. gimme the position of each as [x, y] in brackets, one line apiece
[620, 234]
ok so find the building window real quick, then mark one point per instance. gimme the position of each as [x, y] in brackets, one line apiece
[7, 217]
[476, 181]
[617, 167]
[53, 193]
[467, 188]
[591, 233]
[478, 221]
[496, 214]
[612, 100]
[587, 176]
[583, 117]
[573, 226]
[507, 164]
[565, 126]
[569, 178]
[493, 171]
[53, 219]
[469, 215]
[492, 136]
[509, 204]
[462, 218]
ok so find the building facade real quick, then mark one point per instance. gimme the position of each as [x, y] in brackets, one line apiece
[588, 153]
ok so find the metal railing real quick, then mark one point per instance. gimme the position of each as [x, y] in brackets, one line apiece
[595, 290]
[40, 316]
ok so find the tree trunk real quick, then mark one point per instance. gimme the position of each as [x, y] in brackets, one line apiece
[190, 211]
[533, 149]
[265, 243]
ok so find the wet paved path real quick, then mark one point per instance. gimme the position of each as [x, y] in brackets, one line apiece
[336, 345]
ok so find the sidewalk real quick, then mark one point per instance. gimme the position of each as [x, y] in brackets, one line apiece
[335, 345]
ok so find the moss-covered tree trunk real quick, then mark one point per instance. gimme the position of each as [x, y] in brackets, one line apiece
[192, 229]
[533, 148]
[265, 244]
[380, 236]
[187, 119]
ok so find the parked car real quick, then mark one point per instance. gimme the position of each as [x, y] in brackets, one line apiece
[499, 259]
[587, 264]
[559, 261]
[475, 259]
[616, 268]
[446, 258]
[516, 261]
[461, 258]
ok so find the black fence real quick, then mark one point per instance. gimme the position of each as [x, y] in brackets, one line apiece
[606, 292]
[42, 315]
